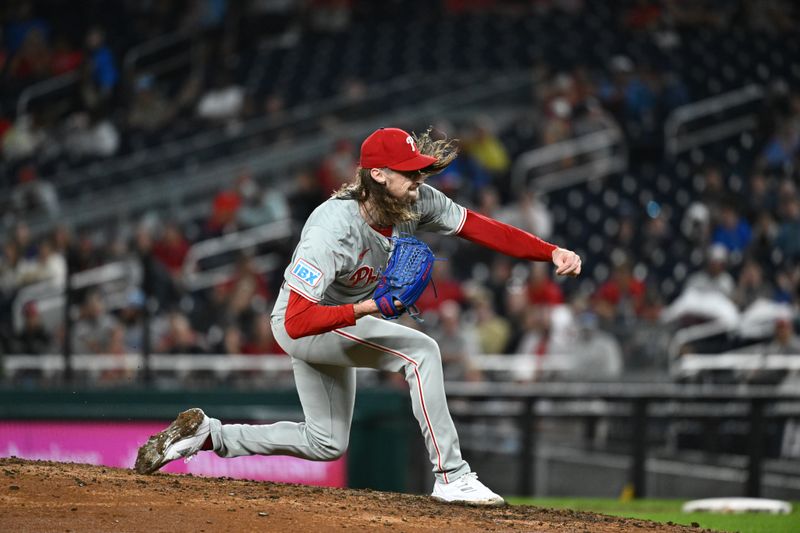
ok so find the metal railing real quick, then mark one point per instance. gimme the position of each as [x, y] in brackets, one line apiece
[221, 365]
[195, 277]
[644, 403]
[43, 88]
[677, 140]
[151, 47]
[279, 159]
[50, 298]
[55, 364]
[690, 365]
[244, 134]
[605, 150]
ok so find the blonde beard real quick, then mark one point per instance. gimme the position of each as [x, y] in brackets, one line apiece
[383, 209]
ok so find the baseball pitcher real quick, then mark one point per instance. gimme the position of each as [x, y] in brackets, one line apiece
[357, 267]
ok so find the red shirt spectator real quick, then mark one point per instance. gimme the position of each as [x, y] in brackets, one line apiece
[338, 167]
[64, 59]
[226, 205]
[612, 291]
[620, 289]
[244, 284]
[171, 249]
[541, 289]
[5, 124]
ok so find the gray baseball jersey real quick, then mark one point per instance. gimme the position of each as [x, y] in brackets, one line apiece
[338, 261]
[340, 257]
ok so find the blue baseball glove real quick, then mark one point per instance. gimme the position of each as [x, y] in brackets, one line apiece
[406, 276]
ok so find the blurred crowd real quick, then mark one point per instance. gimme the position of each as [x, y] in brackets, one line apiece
[730, 250]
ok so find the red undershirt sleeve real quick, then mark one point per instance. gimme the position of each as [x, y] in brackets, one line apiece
[505, 239]
[304, 317]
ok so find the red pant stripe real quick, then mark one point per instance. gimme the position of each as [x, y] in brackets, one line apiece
[419, 383]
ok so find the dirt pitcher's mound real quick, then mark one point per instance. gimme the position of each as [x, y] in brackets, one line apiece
[45, 496]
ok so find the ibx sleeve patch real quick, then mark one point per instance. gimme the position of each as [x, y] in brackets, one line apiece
[306, 273]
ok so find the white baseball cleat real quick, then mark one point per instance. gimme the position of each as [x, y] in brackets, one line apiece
[183, 438]
[466, 490]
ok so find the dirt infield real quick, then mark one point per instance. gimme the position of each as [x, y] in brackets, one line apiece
[45, 496]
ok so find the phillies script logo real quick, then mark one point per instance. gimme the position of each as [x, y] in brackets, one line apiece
[364, 275]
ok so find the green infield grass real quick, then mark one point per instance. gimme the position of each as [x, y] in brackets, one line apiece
[670, 511]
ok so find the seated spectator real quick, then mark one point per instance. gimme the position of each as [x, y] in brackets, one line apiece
[49, 266]
[21, 21]
[762, 245]
[132, 321]
[535, 337]
[787, 286]
[32, 61]
[305, 196]
[34, 339]
[91, 135]
[457, 344]
[656, 238]
[462, 180]
[784, 340]
[544, 330]
[261, 340]
[150, 110]
[527, 212]
[23, 240]
[64, 57]
[171, 249]
[751, 285]
[179, 338]
[224, 212]
[122, 372]
[781, 149]
[788, 238]
[93, 331]
[25, 137]
[621, 298]
[338, 167]
[231, 342]
[714, 277]
[260, 205]
[224, 100]
[33, 195]
[593, 353]
[5, 120]
[493, 331]
[732, 230]
[707, 294]
[696, 223]
[500, 271]
[211, 309]
[542, 290]
[487, 149]
[100, 70]
[244, 289]
[8, 274]
[760, 195]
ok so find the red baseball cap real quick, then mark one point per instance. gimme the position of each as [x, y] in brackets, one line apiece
[393, 148]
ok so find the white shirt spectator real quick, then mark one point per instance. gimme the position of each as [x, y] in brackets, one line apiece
[221, 104]
[85, 138]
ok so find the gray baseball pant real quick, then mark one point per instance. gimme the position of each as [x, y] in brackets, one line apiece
[325, 375]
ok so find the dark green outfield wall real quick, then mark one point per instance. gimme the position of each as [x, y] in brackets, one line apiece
[378, 457]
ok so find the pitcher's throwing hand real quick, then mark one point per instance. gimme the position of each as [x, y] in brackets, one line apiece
[567, 262]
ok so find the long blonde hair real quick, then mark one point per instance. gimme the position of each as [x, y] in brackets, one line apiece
[386, 210]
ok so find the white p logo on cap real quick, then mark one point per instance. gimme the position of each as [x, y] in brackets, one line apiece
[410, 140]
